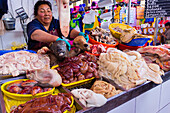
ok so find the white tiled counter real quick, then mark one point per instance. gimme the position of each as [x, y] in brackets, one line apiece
[156, 100]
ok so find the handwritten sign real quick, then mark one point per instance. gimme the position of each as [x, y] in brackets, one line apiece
[157, 8]
[140, 12]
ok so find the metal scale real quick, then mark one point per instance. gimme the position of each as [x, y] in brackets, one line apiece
[23, 18]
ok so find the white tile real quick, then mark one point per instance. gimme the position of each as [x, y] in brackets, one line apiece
[165, 94]
[30, 10]
[149, 101]
[1, 43]
[128, 107]
[166, 109]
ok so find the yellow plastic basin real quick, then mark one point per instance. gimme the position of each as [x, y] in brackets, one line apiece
[23, 96]
[122, 26]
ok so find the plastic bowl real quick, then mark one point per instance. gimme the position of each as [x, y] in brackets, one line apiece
[92, 54]
[92, 41]
[8, 51]
[123, 47]
[137, 42]
[122, 26]
[74, 84]
[23, 97]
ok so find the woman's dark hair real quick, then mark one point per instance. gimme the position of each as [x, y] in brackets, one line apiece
[40, 2]
[167, 24]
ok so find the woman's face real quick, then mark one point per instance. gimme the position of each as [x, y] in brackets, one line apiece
[167, 27]
[44, 14]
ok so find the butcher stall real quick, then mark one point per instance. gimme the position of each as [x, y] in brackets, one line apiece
[105, 71]
[27, 78]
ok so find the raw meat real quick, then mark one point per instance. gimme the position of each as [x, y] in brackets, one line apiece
[103, 36]
[104, 88]
[46, 77]
[88, 98]
[57, 51]
[157, 54]
[80, 42]
[64, 16]
[165, 46]
[126, 69]
[17, 62]
[161, 51]
[48, 104]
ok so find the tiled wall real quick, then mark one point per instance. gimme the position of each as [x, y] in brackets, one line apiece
[156, 100]
[166, 109]
[17, 34]
[148, 102]
[128, 107]
[165, 94]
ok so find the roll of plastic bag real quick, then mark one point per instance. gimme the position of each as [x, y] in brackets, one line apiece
[104, 3]
[106, 16]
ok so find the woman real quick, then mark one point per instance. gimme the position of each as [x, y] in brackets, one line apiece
[165, 39]
[45, 29]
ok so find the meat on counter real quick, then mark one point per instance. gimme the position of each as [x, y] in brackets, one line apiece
[127, 69]
[57, 51]
[89, 98]
[97, 49]
[83, 66]
[16, 62]
[26, 87]
[48, 104]
[157, 54]
[103, 36]
[46, 77]
[104, 88]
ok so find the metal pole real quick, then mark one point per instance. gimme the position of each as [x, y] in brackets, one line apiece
[113, 11]
[129, 6]
[155, 32]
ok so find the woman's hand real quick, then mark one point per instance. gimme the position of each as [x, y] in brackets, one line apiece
[163, 35]
[67, 43]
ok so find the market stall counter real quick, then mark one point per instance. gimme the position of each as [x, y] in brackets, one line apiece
[112, 102]
[88, 86]
[125, 96]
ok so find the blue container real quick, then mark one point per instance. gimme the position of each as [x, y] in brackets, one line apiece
[7, 51]
[137, 42]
